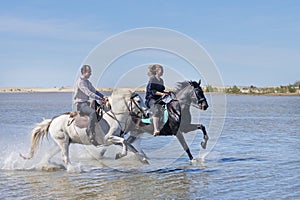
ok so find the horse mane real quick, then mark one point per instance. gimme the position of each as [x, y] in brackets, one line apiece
[181, 85]
[121, 92]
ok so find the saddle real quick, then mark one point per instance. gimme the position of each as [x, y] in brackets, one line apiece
[171, 119]
[174, 118]
[82, 121]
[149, 120]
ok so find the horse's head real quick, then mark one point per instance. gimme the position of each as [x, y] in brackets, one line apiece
[198, 97]
[124, 101]
[137, 106]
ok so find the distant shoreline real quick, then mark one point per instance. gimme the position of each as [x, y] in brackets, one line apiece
[62, 89]
[70, 89]
[28, 90]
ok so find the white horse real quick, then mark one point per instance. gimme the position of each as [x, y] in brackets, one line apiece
[64, 130]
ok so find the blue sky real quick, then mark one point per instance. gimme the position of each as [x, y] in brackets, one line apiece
[43, 43]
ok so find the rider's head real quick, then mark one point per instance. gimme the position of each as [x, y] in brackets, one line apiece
[86, 71]
[155, 70]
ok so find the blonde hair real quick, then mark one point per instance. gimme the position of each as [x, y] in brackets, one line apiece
[152, 69]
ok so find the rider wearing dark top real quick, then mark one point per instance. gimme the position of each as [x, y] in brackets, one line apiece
[155, 90]
[153, 86]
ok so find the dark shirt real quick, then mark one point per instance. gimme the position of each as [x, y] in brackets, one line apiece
[153, 86]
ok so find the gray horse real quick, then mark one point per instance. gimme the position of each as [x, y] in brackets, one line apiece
[188, 93]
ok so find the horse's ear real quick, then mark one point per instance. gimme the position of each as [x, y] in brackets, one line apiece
[199, 82]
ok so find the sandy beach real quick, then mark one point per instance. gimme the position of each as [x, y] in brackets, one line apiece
[71, 89]
[32, 89]
[61, 89]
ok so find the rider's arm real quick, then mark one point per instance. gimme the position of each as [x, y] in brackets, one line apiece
[86, 87]
[155, 89]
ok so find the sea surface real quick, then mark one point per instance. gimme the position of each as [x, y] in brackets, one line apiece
[257, 156]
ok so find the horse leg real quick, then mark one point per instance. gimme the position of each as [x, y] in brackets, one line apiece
[55, 150]
[117, 140]
[136, 140]
[191, 127]
[184, 145]
[140, 156]
[65, 152]
[205, 136]
[103, 151]
[62, 140]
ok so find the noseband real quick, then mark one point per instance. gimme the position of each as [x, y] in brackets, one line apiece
[199, 98]
[133, 102]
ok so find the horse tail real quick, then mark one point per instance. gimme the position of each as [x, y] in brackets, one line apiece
[37, 134]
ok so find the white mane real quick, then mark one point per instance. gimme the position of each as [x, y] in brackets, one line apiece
[118, 99]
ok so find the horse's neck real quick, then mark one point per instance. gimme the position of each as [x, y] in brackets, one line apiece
[183, 97]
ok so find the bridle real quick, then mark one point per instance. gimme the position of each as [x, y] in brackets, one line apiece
[197, 91]
[199, 98]
[134, 103]
[130, 108]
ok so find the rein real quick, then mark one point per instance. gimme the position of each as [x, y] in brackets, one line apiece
[197, 98]
[129, 108]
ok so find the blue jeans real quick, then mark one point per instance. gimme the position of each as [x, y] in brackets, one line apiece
[85, 109]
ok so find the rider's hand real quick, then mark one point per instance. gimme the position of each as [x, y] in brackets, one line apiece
[104, 100]
[165, 94]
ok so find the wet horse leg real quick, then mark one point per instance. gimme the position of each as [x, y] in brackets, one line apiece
[191, 127]
[117, 140]
[65, 152]
[205, 136]
[63, 141]
[184, 145]
[53, 151]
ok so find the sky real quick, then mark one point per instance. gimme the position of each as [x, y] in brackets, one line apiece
[44, 43]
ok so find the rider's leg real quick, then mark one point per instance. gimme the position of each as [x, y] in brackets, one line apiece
[85, 109]
[155, 121]
[157, 111]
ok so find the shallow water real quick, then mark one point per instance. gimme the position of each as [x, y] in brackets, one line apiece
[256, 156]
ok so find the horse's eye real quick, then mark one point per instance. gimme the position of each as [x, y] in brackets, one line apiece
[138, 101]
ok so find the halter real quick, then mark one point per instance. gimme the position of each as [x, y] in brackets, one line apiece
[129, 108]
[135, 103]
[198, 97]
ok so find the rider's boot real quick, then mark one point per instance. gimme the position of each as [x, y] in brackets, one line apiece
[91, 135]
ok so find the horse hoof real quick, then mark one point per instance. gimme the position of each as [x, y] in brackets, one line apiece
[145, 161]
[193, 161]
